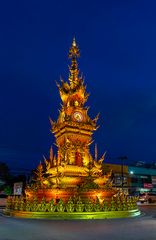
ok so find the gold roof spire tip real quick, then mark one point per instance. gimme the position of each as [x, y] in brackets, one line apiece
[74, 42]
[74, 50]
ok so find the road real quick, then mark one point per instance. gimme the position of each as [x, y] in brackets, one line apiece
[138, 228]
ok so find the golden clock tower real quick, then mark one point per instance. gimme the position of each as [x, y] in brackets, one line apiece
[73, 172]
[74, 128]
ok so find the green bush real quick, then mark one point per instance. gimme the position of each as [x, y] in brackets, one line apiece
[97, 206]
[88, 206]
[70, 206]
[42, 206]
[79, 206]
[60, 206]
[51, 207]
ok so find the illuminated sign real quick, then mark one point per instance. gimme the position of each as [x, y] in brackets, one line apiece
[18, 188]
[148, 185]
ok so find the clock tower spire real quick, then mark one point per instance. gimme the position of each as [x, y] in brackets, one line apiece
[74, 128]
[74, 53]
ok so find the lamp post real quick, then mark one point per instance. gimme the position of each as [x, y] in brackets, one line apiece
[122, 158]
[131, 173]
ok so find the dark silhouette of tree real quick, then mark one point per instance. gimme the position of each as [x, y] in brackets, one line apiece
[4, 171]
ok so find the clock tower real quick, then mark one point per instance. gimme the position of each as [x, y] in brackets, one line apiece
[73, 172]
[73, 129]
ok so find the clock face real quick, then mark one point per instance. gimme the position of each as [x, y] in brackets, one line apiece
[78, 116]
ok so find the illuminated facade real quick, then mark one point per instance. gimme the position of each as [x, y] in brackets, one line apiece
[73, 172]
[72, 184]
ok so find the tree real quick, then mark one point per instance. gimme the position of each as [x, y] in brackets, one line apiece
[4, 175]
[4, 171]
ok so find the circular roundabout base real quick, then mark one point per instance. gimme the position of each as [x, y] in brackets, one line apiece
[74, 215]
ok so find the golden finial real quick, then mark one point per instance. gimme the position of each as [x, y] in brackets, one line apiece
[74, 50]
[74, 42]
[74, 72]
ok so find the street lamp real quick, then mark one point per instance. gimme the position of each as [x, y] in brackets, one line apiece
[122, 158]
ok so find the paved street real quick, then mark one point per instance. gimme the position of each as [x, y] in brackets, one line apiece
[139, 228]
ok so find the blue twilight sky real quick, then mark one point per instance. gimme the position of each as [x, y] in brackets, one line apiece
[117, 40]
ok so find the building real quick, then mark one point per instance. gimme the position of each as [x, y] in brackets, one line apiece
[142, 179]
[120, 175]
[132, 179]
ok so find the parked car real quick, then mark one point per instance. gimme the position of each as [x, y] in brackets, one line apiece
[147, 197]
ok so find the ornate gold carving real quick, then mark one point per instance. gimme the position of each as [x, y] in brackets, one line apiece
[73, 132]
